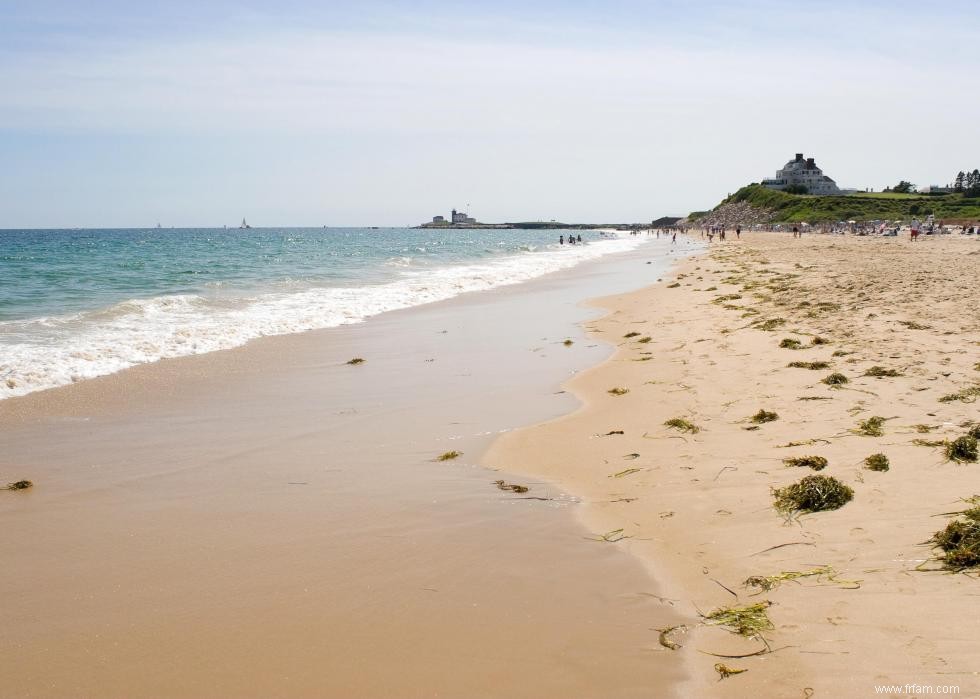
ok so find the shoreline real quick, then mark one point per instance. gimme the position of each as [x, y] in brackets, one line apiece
[271, 491]
[52, 347]
[698, 512]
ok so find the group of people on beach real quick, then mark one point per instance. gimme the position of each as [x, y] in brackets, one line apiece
[711, 231]
[572, 240]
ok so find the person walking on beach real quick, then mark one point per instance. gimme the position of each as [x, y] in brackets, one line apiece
[579, 238]
[796, 232]
[673, 238]
[561, 239]
[738, 232]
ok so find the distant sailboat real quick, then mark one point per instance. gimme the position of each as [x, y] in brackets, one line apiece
[244, 224]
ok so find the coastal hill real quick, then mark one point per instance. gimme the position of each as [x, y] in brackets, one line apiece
[756, 204]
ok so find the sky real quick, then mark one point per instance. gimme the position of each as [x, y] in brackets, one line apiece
[127, 113]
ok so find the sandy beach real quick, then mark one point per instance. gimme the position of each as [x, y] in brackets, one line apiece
[872, 606]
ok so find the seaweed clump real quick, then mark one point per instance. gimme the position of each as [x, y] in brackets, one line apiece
[880, 371]
[960, 540]
[749, 621]
[511, 487]
[835, 379]
[877, 462]
[790, 343]
[679, 423]
[356, 360]
[770, 324]
[764, 416]
[449, 455]
[817, 463]
[724, 672]
[809, 365]
[617, 391]
[19, 485]
[771, 582]
[967, 395]
[962, 449]
[872, 426]
[813, 494]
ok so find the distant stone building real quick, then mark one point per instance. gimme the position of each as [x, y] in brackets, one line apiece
[799, 174]
[438, 219]
[461, 217]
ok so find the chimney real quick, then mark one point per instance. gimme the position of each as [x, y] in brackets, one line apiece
[810, 164]
[799, 157]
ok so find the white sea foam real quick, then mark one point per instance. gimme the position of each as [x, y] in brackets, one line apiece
[47, 352]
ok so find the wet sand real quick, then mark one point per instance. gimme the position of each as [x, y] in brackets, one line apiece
[269, 521]
[698, 509]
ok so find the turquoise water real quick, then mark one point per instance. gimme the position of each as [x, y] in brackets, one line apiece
[81, 303]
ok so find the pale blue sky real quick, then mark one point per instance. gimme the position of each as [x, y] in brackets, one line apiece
[118, 113]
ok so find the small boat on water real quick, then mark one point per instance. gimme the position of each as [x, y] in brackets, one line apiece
[244, 224]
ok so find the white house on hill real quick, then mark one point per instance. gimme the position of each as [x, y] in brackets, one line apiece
[802, 173]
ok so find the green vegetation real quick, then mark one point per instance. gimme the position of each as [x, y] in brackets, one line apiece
[835, 379]
[770, 324]
[679, 423]
[817, 463]
[764, 416]
[794, 208]
[877, 462]
[511, 487]
[960, 540]
[724, 672]
[449, 455]
[771, 582]
[749, 621]
[967, 395]
[872, 426]
[962, 449]
[813, 494]
[879, 371]
[929, 442]
[808, 365]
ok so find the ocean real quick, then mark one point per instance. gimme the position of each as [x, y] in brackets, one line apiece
[76, 304]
